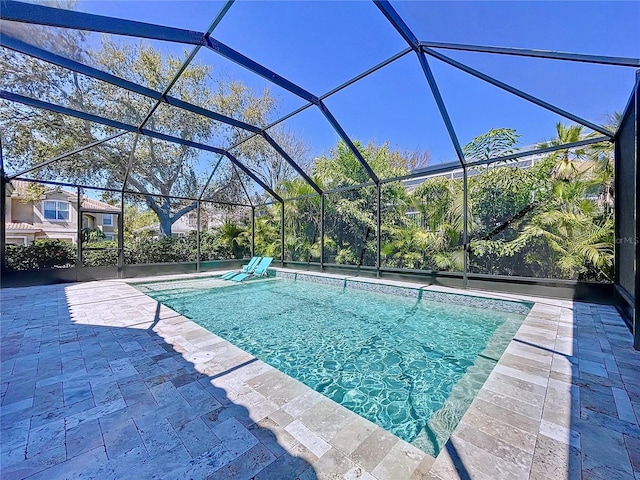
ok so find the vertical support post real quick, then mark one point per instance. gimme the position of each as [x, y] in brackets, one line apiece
[79, 262]
[282, 233]
[626, 213]
[617, 157]
[253, 231]
[465, 227]
[121, 238]
[198, 237]
[636, 293]
[378, 227]
[3, 213]
[322, 232]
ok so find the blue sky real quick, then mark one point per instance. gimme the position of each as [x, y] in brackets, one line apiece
[321, 44]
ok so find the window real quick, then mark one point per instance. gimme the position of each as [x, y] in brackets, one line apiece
[107, 219]
[57, 211]
[109, 237]
[21, 241]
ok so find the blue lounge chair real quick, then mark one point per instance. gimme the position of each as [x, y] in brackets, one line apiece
[248, 268]
[259, 271]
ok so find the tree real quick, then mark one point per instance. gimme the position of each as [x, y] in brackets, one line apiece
[551, 219]
[156, 167]
[350, 219]
[439, 204]
[302, 221]
[268, 165]
[496, 142]
[603, 156]
[568, 160]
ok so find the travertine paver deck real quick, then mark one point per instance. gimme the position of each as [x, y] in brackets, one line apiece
[100, 381]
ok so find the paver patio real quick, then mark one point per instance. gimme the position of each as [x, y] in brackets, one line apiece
[100, 381]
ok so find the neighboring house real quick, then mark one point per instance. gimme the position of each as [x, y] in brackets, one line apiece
[209, 220]
[524, 162]
[180, 228]
[53, 214]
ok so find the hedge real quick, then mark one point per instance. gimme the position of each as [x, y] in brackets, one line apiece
[59, 254]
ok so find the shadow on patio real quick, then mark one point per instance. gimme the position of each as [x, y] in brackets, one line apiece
[588, 421]
[97, 383]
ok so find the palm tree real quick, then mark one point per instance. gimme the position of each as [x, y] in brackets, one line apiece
[579, 240]
[566, 167]
[603, 156]
[302, 221]
[439, 202]
[233, 238]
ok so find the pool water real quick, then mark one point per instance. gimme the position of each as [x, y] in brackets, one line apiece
[411, 366]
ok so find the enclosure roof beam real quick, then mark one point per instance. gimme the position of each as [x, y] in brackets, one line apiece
[540, 151]
[160, 97]
[302, 197]
[405, 32]
[291, 162]
[366, 73]
[47, 56]
[253, 176]
[129, 192]
[67, 154]
[441, 107]
[452, 166]
[173, 81]
[330, 92]
[214, 23]
[273, 77]
[398, 23]
[348, 188]
[56, 17]
[131, 162]
[345, 138]
[14, 97]
[253, 66]
[63, 18]
[523, 52]
[235, 170]
[427, 171]
[517, 92]
[213, 172]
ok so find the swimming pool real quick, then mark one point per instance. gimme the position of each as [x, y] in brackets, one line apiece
[404, 361]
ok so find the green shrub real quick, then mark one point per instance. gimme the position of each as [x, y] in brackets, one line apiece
[41, 254]
[160, 250]
[227, 244]
[106, 256]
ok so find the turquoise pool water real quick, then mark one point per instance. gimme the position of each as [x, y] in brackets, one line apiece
[411, 366]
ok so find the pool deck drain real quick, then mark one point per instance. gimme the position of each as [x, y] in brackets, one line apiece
[100, 381]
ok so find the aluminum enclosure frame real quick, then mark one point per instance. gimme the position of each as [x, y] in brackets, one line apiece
[423, 49]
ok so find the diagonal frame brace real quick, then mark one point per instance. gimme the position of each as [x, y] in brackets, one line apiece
[517, 92]
[14, 97]
[291, 162]
[33, 51]
[66, 154]
[405, 32]
[56, 17]
[548, 54]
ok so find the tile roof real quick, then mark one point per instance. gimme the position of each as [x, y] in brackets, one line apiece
[20, 189]
[92, 204]
[21, 226]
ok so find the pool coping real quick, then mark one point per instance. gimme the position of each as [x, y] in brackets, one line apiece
[527, 396]
[529, 419]
[530, 395]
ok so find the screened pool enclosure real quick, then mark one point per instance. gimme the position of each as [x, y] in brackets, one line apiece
[130, 147]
